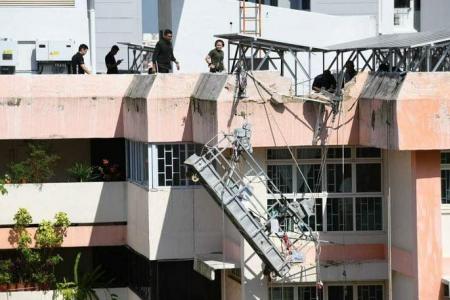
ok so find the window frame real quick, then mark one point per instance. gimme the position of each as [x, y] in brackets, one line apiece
[445, 167]
[353, 160]
[154, 167]
[137, 172]
[325, 289]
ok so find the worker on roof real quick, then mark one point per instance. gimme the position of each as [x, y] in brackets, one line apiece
[163, 55]
[325, 81]
[214, 59]
[78, 66]
[110, 61]
[350, 71]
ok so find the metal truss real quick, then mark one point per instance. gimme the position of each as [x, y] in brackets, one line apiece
[254, 56]
[429, 58]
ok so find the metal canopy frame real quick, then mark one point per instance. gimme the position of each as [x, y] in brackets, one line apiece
[138, 54]
[402, 52]
[247, 49]
[427, 58]
[409, 52]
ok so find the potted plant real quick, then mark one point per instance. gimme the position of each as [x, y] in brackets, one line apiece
[81, 172]
[82, 286]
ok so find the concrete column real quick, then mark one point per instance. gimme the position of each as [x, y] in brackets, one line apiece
[385, 16]
[414, 180]
[427, 175]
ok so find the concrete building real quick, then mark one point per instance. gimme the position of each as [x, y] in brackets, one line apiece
[380, 171]
[380, 208]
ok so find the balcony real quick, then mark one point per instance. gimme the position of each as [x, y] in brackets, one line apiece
[92, 206]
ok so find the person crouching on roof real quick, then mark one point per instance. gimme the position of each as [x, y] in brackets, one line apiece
[214, 59]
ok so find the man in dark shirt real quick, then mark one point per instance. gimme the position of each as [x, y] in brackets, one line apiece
[350, 71]
[324, 81]
[163, 55]
[78, 66]
[110, 61]
[214, 59]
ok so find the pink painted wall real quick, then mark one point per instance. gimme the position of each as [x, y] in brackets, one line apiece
[276, 125]
[419, 117]
[61, 106]
[403, 262]
[353, 252]
[426, 171]
[80, 236]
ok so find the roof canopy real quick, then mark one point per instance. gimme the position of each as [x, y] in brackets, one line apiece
[399, 40]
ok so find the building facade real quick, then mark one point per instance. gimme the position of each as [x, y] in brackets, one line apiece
[380, 212]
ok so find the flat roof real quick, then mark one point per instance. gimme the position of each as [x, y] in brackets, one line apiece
[248, 40]
[399, 40]
[137, 46]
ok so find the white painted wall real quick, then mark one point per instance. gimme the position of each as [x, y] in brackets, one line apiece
[44, 23]
[117, 21]
[345, 7]
[122, 293]
[401, 200]
[87, 202]
[138, 216]
[174, 223]
[403, 287]
[434, 15]
[386, 16]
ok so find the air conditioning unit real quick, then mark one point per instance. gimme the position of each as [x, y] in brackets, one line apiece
[8, 56]
[54, 57]
[60, 51]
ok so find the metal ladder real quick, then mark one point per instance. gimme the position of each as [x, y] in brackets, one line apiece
[228, 171]
[250, 18]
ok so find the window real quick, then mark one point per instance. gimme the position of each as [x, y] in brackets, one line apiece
[370, 292]
[314, 221]
[347, 185]
[340, 214]
[309, 293]
[306, 4]
[369, 214]
[340, 292]
[281, 293]
[445, 177]
[312, 175]
[339, 179]
[170, 160]
[281, 175]
[402, 3]
[137, 162]
[368, 178]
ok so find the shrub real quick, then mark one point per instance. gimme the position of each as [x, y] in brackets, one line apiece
[37, 168]
[81, 172]
[37, 265]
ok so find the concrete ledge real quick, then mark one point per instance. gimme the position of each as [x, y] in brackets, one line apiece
[80, 236]
[122, 293]
[84, 202]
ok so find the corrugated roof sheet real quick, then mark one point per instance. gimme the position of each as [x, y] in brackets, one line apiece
[400, 40]
[265, 43]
